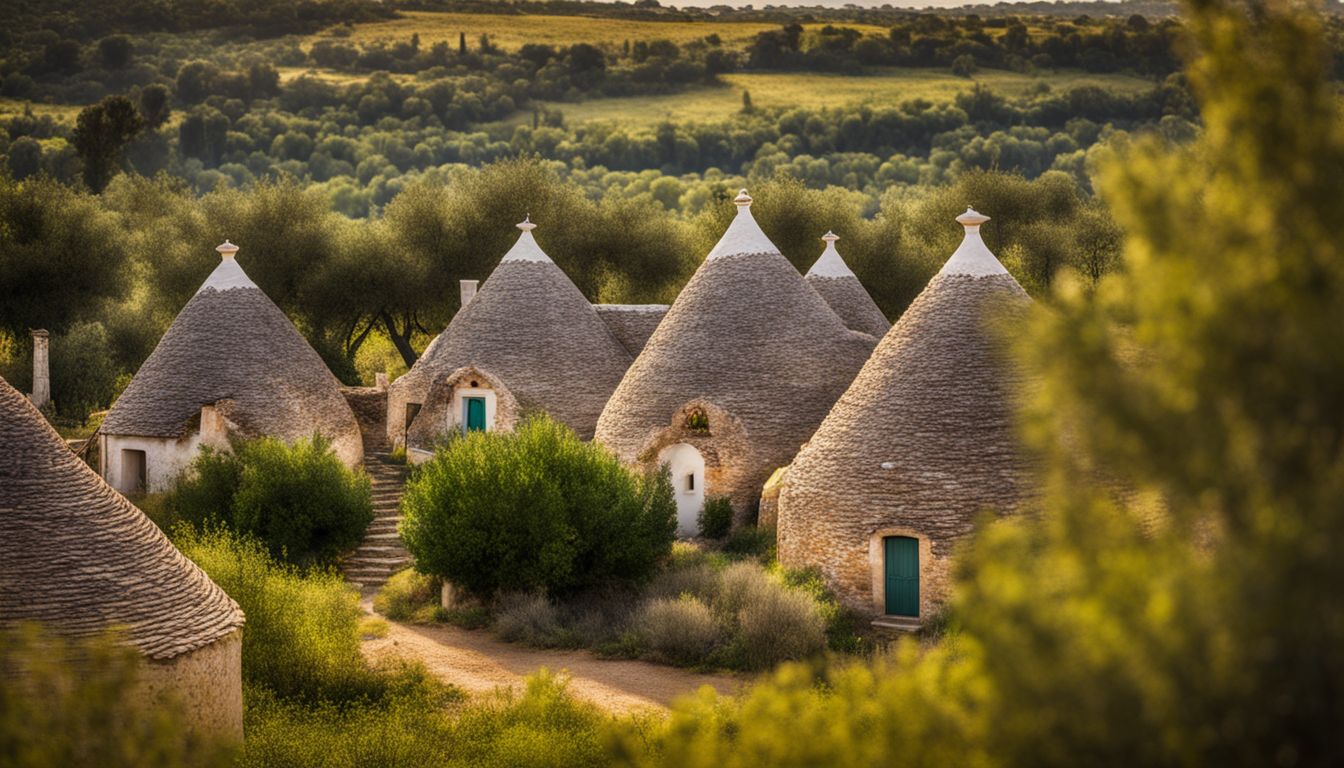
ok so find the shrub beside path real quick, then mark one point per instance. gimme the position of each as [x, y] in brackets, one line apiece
[478, 663]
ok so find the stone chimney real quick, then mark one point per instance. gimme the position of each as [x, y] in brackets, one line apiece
[468, 288]
[41, 369]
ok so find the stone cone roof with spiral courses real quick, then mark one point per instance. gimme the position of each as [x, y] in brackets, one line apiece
[79, 558]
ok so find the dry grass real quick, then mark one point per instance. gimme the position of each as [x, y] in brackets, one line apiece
[510, 32]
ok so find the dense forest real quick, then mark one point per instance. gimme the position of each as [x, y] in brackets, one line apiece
[361, 119]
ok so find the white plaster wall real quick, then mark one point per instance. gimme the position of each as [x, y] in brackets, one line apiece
[683, 460]
[165, 458]
[457, 413]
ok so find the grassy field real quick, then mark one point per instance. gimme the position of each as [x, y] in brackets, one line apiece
[510, 32]
[288, 74]
[783, 89]
[65, 113]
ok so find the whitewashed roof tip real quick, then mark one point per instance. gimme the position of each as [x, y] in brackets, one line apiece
[830, 264]
[229, 274]
[526, 249]
[972, 257]
[743, 235]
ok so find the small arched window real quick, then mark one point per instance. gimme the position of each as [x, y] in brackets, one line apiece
[697, 420]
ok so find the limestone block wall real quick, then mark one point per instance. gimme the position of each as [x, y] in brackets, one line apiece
[206, 683]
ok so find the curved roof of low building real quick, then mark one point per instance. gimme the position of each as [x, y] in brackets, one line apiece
[231, 342]
[831, 277]
[632, 324]
[926, 434]
[79, 558]
[750, 336]
[532, 328]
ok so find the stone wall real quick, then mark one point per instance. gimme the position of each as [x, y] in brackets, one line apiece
[207, 683]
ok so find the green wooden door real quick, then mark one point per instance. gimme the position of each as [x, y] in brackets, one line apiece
[902, 575]
[475, 414]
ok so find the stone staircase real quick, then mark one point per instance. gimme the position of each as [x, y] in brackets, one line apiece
[381, 554]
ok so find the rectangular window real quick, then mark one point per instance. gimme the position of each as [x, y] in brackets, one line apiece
[690, 482]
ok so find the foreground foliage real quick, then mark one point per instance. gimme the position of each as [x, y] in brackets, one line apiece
[535, 509]
[76, 703]
[299, 500]
[544, 726]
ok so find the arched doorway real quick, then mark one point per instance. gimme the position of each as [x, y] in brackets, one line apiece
[687, 467]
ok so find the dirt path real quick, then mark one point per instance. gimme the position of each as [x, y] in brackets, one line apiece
[477, 663]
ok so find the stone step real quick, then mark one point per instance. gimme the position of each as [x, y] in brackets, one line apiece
[393, 549]
[386, 565]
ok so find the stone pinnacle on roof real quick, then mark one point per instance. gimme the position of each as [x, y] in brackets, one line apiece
[229, 274]
[743, 235]
[972, 257]
[829, 264]
[526, 248]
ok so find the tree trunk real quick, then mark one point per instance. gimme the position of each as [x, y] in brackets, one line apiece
[400, 339]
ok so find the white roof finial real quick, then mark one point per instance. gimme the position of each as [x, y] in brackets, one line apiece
[526, 248]
[972, 257]
[228, 273]
[972, 218]
[743, 200]
[830, 264]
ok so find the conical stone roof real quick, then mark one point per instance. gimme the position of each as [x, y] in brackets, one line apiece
[924, 439]
[231, 342]
[79, 558]
[532, 330]
[749, 337]
[831, 277]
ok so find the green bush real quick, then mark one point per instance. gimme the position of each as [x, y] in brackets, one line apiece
[716, 517]
[302, 634]
[203, 494]
[78, 703]
[409, 596]
[751, 541]
[535, 509]
[300, 500]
